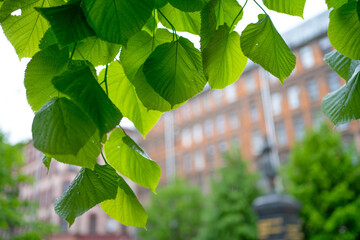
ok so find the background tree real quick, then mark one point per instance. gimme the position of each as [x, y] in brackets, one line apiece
[16, 215]
[174, 213]
[229, 214]
[324, 175]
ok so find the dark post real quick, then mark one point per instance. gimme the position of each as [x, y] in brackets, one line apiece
[277, 213]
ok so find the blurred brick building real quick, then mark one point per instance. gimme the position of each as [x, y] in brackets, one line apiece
[188, 142]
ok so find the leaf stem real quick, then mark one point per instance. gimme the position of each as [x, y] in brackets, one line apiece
[261, 8]
[72, 54]
[102, 154]
[232, 24]
[172, 26]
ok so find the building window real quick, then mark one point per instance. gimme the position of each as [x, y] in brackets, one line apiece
[199, 160]
[256, 142]
[325, 45]
[197, 133]
[92, 224]
[210, 152]
[233, 120]
[217, 96]
[223, 146]
[221, 124]
[313, 89]
[293, 94]
[281, 135]
[209, 128]
[333, 81]
[307, 57]
[299, 127]
[254, 115]
[187, 162]
[230, 93]
[343, 127]
[273, 79]
[111, 225]
[186, 137]
[276, 103]
[250, 83]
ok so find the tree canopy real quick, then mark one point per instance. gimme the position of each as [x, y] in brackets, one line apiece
[324, 174]
[149, 70]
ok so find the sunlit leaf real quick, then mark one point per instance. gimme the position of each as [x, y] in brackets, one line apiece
[182, 21]
[262, 43]
[335, 3]
[96, 51]
[291, 7]
[25, 31]
[223, 59]
[131, 161]
[123, 95]
[126, 208]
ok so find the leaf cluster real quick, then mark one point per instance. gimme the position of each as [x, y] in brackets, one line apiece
[148, 70]
[324, 174]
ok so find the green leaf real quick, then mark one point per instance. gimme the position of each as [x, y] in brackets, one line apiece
[149, 98]
[45, 65]
[160, 3]
[131, 161]
[342, 105]
[25, 31]
[182, 21]
[262, 43]
[217, 13]
[48, 39]
[10, 6]
[46, 161]
[80, 84]
[174, 71]
[96, 51]
[344, 66]
[223, 59]
[87, 189]
[67, 22]
[123, 95]
[344, 30]
[291, 7]
[61, 127]
[208, 23]
[150, 26]
[117, 21]
[125, 208]
[87, 155]
[335, 3]
[139, 48]
[188, 5]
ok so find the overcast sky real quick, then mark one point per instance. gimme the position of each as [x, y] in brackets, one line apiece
[16, 115]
